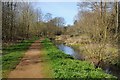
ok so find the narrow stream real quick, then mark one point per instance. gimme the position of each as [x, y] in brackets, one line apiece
[69, 50]
[110, 69]
[76, 55]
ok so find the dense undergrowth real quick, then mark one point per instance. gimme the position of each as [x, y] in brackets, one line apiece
[13, 55]
[65, 66]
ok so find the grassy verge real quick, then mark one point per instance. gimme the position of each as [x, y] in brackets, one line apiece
[13, 56]
[46, 65]
[65, 66]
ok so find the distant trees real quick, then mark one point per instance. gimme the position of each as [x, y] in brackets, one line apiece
[59, 24]
[58, 21]
[47, 17]
[21, 21]
[54, 25]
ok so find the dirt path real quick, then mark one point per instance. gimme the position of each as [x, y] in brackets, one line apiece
[31, 64]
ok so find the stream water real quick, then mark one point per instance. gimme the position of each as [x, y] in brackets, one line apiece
[110, 69]
[69, 50]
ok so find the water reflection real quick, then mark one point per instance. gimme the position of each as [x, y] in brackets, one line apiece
[69, 50]
[77, 55]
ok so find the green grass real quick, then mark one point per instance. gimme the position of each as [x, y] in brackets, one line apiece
[13, 56]
[65, 66]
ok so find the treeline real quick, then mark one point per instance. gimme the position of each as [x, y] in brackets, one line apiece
[21, 21]
[98, 21]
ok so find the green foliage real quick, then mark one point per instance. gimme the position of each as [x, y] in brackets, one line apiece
[65, 66]
[20, 46]
[54, 53]
[15, 53]
[77, 69]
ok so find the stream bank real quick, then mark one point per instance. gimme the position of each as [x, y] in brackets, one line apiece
[65, 66]
[68, 47]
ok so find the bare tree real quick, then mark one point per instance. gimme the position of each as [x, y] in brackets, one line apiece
[96, 20]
